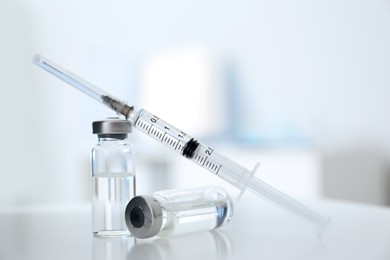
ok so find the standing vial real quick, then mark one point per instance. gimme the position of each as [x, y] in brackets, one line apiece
[113, 174]
[173, 212]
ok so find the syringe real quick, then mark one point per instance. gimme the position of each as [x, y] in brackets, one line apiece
[187, 146]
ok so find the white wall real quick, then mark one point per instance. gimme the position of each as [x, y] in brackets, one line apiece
[304, 73]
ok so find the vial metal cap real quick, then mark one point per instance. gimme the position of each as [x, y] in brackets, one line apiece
[143, 216]
[111, 126]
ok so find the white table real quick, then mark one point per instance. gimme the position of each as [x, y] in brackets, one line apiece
[258, 231]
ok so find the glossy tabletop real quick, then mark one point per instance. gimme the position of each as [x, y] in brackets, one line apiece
[258, 230]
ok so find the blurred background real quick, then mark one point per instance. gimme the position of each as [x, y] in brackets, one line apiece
[300, 86]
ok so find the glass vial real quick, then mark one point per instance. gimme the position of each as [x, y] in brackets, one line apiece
[179, 211]
[113, 174]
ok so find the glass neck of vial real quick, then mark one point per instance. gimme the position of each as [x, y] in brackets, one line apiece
[111, 137]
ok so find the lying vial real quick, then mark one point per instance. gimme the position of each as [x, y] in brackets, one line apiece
[113, 175]
[173, 212]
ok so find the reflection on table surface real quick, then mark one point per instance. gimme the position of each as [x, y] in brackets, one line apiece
[200, 245]
[257, 231]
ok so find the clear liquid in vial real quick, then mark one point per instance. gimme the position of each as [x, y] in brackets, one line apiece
[110, 197]
[182, 220]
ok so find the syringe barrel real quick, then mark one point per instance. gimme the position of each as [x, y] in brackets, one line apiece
[188, 147]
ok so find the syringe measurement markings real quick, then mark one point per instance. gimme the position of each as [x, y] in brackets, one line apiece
[156, 132]
[208, 163]
[159, 134]
[142, 125]
[218, 169]
[164, 136]
[177, 144]
[205, 161]
[170, 141]
[198, 158]
[151, 131]
[212, 166]
[145, 126]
